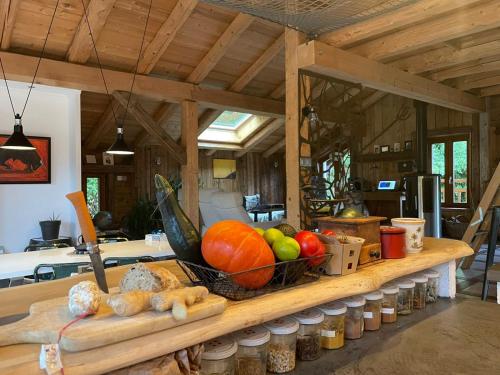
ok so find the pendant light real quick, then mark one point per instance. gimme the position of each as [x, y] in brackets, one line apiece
[120, 146]
[18, 141]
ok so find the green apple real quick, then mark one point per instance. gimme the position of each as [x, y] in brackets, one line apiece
[286, 249]
[271, 235]
[260, 231]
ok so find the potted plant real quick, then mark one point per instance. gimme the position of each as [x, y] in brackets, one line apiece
[50, 228]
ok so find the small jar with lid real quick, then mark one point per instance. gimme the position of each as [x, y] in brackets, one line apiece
[354, 320]
[432, 286]
[219, 356]
[281, 355]
[390, 303]
[309, 334]
[332, 329]
[251, 357]
[420, 293]
[373, 310]
[405, 296]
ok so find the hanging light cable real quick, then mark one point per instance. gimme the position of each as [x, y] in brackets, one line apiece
[18, 141]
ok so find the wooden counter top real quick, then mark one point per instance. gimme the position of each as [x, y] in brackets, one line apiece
[18, 359]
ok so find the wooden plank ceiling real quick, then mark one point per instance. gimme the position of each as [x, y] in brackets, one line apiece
[455, 42]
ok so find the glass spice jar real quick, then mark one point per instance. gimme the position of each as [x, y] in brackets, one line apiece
[332, 329]
[354, 321]
[432, 286]
[219, 356]
[373, 310]
[405, 296]
[251, 357]
[309, 334]
[281, 354]
[420, 292]
[389, 303]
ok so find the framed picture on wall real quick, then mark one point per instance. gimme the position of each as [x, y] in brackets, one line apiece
[107, 159]
[26, 166]
[385, 148]
[224, 168]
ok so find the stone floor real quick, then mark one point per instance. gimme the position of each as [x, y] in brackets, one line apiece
[460, 337]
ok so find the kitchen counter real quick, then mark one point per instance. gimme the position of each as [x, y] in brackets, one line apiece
[439, 254]
[23, 263]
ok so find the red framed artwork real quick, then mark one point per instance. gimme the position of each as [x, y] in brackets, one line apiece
[26, 166]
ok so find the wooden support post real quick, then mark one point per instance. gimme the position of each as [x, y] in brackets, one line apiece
[292, 42]
[484, 149]
[189, 171]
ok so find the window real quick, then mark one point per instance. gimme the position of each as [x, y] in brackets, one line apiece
[450, 159]
[230, 120]
[93, 194]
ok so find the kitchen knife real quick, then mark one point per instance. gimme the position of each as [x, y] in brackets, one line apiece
[89, 235]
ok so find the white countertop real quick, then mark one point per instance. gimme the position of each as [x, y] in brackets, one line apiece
[23, 264]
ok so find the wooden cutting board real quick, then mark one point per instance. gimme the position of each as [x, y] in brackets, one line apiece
[46, 319]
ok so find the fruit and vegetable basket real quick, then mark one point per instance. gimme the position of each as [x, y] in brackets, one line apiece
[284, 275]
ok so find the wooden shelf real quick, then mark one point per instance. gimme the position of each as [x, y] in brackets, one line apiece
[437, 253]
[117, 168]
[386, 156]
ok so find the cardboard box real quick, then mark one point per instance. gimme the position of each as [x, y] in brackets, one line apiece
[345, 255]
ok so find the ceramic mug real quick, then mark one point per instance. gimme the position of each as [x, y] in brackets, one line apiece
[414, 232]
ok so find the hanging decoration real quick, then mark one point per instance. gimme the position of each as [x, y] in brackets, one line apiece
[18, 141]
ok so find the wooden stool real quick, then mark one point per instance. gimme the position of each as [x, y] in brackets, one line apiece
[492, 272]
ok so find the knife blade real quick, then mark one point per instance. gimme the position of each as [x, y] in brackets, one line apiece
[90, 236]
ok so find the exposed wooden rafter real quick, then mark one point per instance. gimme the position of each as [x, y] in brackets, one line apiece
[475, 67]
[165, 35]
[81, 47]
[161, 116]
[278, 92]
[478, 81]
[103, 126]
[274, 148]
[8, 11]
[482, 17]
[264, 131]
[219, 146]
[490, 91]
[149, 124]
[372, 99]
[321, 58]
[406, 16]
[63, 74]
[229, 36]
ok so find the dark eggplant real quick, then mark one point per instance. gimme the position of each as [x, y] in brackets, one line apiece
[182, 235]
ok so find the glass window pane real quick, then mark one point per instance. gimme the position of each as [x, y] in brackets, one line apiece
[460, 172]
[439, 164]
[93, 196]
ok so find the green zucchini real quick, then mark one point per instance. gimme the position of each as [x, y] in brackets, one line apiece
[182, 235]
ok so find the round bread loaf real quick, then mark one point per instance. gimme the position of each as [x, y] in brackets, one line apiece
[148, 277]
[84, 298]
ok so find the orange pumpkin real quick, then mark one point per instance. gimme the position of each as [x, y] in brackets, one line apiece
[232, 246]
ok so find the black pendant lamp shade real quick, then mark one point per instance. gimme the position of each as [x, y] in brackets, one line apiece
[18, 141]
[119, 147]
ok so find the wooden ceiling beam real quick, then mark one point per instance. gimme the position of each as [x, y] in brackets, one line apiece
[103, 126]
[264, 131]
[475, 82]
[372, 99]
[476, 67]
[271, 150]
[491, 91]
[81, 47]
[446, 57]
[219, 146]
[8, 11]
[482, 17]
[75, 76]
[149, 124]
[278, 92]
[240, 23]
[165, 35]
[323, 59]
[270, 53]
[404, 17]
[161, 116]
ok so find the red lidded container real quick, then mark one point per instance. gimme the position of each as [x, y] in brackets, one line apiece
[393, 242]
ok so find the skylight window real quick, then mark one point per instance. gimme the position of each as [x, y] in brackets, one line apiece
[230, 120]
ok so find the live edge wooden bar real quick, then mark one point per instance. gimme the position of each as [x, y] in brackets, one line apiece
[439, 254]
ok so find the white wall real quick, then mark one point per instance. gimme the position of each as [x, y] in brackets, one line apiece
[51, 112]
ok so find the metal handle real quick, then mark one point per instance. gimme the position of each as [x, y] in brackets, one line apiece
[450, 180]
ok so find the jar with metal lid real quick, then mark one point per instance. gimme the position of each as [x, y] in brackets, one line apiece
[373, 310]
[251, 357]
[390, 303]
[281, 355]
[219, 356]
[432, 286]
[309, 334]
[354, 321]
[420, 293]
[405, 296]
[332, 329]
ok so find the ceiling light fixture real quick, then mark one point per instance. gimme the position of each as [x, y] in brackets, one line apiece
[18, 141]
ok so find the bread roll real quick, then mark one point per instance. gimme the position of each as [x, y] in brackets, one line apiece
[84, 298]
[148, 277]
[130, 303]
